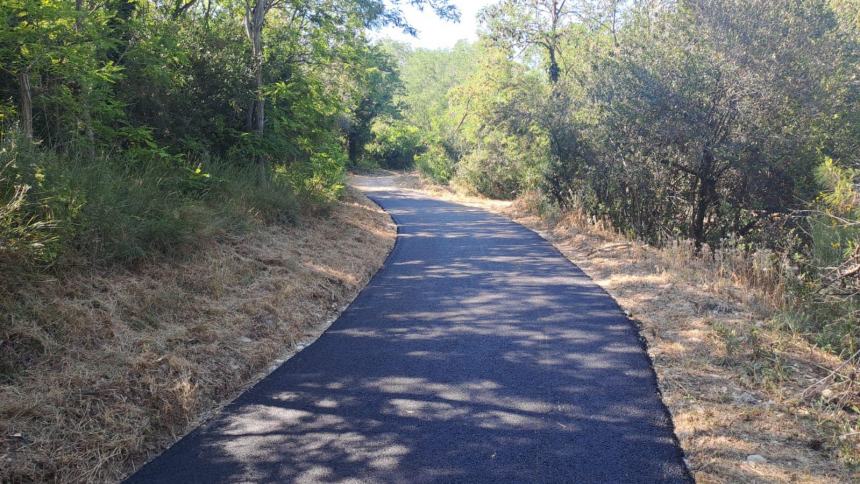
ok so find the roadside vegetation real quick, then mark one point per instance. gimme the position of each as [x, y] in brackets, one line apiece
[135, 128]
[106, 367]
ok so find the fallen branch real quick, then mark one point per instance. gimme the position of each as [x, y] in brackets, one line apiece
[831, 374]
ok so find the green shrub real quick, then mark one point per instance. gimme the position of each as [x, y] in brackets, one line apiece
[436, 164]
[117, 214]
[395, 143]
[320, 180]
[503, 167]
[834, 230]
[828, 301]
[67, 210]
[248, 193]
[366, 164]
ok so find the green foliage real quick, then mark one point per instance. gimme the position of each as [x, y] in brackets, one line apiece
[502, 167]
[435, 164]
[249, 194]
[377, 104]
[829, 302]
[187, 82]
[428, 76]
[474, 110]
[698, 120]
[321, 180]
[395, 143]
[148, 126]
[500, 136]
[62, 210]
[25, 233]
[688, 146]
[839, 196]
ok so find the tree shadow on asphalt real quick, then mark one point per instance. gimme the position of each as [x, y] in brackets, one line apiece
[476, 354]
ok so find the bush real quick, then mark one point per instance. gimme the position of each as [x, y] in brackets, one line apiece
[251, 193]
[59, 210]
[502, 167]
[24, 234]
[395, 143]
[321, 180]
[366, 164]
[827, 302]
[435, 164]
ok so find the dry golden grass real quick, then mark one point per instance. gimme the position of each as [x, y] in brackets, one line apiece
[736, 384]
[108, 368]
[730, 378]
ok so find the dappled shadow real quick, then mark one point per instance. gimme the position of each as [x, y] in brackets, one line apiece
[478, 353]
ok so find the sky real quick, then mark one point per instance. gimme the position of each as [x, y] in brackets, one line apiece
[434, 33]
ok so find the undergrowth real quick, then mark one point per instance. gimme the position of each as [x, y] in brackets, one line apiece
[70, 210]
[789, 288]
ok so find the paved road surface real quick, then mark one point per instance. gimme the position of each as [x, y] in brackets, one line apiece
[477, 354]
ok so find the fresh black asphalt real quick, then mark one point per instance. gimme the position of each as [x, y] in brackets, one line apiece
[477, 354]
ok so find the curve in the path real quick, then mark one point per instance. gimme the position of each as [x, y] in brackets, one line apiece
[477, 354]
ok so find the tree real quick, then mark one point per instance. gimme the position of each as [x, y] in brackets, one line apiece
[380, 85]
[52, 43]
[500, 130]
[428, 76]
[518, 25]
[24, 50]
[330, 14]
[707, 124]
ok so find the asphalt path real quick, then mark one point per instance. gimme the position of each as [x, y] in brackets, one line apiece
[478, 353]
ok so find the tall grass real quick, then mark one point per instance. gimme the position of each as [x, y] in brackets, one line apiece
[792, 287]
[26, 232]
[60, 210]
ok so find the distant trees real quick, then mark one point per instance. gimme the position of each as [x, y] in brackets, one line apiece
[375, 99]
[425, 129]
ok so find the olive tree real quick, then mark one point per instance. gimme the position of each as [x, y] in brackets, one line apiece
[708, 117]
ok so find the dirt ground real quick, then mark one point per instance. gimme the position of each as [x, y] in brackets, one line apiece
[114, 366]
[742, 391]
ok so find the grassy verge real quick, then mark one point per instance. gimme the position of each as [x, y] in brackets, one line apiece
[752, 400]
[107, 366]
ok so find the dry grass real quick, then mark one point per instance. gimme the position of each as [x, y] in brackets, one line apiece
[109, 368]
[736, 383]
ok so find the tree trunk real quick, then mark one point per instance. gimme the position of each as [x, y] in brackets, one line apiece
[254, 18]
[554, 70]
[704, 198]
[79, 7]
[259, 102]
[25, 104]
[85, 91]
[353, 145]
[249, 116]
